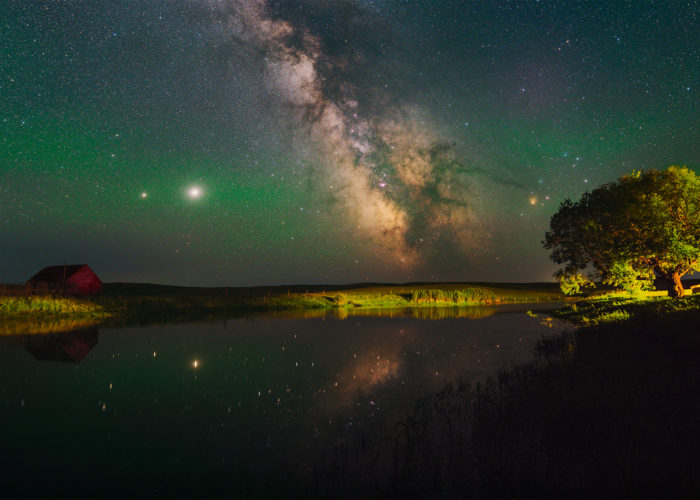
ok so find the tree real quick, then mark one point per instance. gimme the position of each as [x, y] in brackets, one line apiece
[642, 223]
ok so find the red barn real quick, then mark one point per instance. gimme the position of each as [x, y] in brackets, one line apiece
[72, 280]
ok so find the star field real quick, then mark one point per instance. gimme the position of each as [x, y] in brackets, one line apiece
[260, 142]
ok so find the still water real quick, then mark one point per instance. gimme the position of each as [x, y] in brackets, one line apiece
[234, 407]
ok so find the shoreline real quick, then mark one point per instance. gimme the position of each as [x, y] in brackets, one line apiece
[142, 301]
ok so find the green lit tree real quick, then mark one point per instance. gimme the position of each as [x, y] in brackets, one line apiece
[574, 283]
[644, 223]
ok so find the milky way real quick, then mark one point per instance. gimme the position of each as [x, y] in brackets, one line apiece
[230, 142]
[399, 186]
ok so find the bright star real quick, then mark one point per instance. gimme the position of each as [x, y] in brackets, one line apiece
[194, 192]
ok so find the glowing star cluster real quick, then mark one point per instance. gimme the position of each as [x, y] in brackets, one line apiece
[401, 188]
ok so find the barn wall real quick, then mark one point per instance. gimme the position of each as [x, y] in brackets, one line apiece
[84, 282]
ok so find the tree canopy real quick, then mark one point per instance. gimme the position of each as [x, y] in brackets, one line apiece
[643, 223]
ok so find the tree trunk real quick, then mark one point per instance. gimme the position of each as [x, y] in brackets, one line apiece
[677, 289]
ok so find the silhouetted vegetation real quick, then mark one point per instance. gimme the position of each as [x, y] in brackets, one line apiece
[607, 410]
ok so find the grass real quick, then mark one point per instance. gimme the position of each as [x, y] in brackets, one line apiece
[376, 299]
[618, 307]
[421, 295]
[139, 303]
[47, 306]
[154, 303]
[462, 293]
[607, 410]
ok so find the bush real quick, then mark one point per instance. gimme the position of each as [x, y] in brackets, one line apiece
[573, 284]
[623, 275]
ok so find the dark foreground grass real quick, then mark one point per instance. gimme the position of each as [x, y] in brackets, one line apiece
[607, 410]
[619, 307]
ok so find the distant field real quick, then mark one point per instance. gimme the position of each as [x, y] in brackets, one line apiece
[128, 298]
[259, 291]
[506, 292]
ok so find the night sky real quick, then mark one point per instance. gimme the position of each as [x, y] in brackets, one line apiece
[245, 142]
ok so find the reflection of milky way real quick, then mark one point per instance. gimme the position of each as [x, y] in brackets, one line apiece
[403, 189]
[367, 371]
[376, 357]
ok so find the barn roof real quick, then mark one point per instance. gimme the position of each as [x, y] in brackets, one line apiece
[55, 273]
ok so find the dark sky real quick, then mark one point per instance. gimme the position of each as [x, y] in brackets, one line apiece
[264, 142]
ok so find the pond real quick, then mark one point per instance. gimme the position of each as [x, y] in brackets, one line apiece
[235, 407]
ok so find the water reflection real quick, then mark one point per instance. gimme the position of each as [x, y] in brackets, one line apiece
[31, 326]
[227, 408]
[68, 347]
[427, 313]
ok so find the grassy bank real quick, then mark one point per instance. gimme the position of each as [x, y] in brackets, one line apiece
[607, 410]
[48, 306]
[419, 295]
[125, 301]
[615, 308]
[173, 303]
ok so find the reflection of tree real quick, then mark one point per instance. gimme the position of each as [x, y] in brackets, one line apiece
[69, 347]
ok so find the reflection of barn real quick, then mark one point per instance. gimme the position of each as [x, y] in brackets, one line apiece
[68, 347]
[72, 280]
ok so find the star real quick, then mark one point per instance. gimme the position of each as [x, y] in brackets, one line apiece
[194, 192]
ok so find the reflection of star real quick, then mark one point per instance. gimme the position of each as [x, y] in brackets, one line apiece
[194, 192]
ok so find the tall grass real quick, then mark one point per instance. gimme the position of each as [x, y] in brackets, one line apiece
[432, 297]
[454, 297]
[47, 305]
